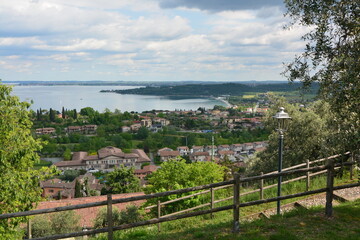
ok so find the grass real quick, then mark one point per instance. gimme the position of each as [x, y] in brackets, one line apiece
[298, 224]
[42, 163]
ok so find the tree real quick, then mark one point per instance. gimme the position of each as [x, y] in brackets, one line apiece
[19, 183]
[55, 223]
[63, 113]
[122, 180]
[67, 154]
[331, 58]
[52, 115]
[78, 189]
[307, 136]
[142, 133]
[75, 114]
[176, 174]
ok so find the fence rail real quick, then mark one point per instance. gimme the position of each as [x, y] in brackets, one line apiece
[209, 188]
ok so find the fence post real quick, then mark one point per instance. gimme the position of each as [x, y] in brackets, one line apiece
[236, 208]
[29, 233]
[352, 166]
[329, 188]
[261, 187]
[158, 213]
[307, 175]
[110, 217]
[212, 197]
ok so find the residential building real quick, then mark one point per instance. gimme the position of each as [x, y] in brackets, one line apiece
[125, 129]
[166, 155]
[106, 159]
[195, 149]
[228, 153]
[184, 150]
[200, 157]
[43, 131]
[236, 148]
[223, 147]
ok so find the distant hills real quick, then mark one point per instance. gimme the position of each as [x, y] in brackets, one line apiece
[137, 83]
[219, 89]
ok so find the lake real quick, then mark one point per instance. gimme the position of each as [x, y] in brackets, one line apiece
[77, 97]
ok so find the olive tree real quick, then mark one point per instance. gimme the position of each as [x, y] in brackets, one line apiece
[331, 58]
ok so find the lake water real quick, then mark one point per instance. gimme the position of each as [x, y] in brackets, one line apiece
[77, 97]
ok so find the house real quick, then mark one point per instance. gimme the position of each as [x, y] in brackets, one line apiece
[197, 149]
[73, 129]
[43, 131]
[211, 149]
[57, 189]
[248, 146]
[146, 170]
[166, 155]
[228, 153]
[223, 147]
[125, 129]
[106, 159]
[156, 127]
[163, 149]
[236, 148]
[135, 127]
[200, 157]
[89, 129]
[184, 150]
[146, 122]
[162, 121]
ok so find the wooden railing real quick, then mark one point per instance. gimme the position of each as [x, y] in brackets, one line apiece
[209, 188]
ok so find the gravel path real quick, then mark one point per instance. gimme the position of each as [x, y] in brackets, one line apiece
[349, 194]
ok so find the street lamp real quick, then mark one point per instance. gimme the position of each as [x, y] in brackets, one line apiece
[282, 118]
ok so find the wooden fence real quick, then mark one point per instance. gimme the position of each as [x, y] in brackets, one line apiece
[236, 183]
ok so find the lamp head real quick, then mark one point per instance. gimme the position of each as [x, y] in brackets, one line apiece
[282, 118]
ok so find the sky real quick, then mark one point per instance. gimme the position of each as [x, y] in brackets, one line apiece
[145, 40]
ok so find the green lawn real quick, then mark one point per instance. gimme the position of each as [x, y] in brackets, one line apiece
[295, 225]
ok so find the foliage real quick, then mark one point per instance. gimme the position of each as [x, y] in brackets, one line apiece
[67, 154]
[130, 215]
[331, 58]
[19, 183]
[70, 175]
[55, 223]
[307, 136]
[176, 174]
[122, 180]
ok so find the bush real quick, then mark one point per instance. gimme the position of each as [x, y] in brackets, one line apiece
[55, 223]
[130, 215]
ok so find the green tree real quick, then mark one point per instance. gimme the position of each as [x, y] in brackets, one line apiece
[176, 174]
[142, 133]
[67, 154]
[55, 223]
[78, 189]
[122, 180]
[331, 58]
[307, 136]
[52, 115]
[75, 114]
[19, 183]
[63, 115]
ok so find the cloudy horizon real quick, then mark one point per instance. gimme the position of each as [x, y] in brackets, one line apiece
[145, 40]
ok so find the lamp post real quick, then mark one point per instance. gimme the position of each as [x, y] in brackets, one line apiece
[282, 118]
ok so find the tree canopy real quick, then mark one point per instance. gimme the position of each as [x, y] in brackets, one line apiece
[331, 58]
[19, 183]
[308, 136]
[122, 180]
[176, 174]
